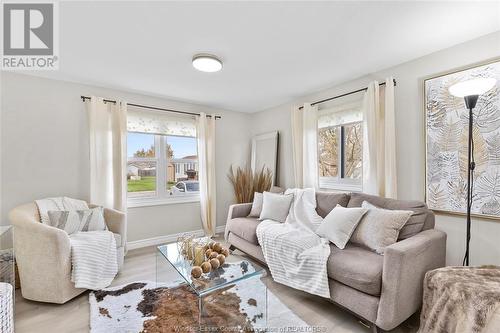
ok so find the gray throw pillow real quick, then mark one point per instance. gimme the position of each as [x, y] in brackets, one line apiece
[339, 224]
[256, 205]
[275, 206]
[73, 221]
[379, 227]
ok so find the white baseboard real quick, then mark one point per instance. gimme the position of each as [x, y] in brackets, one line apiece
[168, 238]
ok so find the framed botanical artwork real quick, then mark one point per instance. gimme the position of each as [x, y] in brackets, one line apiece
[446, 142]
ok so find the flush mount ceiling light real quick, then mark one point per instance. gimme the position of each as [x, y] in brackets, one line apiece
[207, 63]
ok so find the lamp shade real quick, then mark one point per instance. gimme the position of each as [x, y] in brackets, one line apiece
[472, 87]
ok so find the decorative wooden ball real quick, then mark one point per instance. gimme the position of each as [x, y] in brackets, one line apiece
[225, 252]
[215, 263]
[196, 272]
[208, 252]
[217, 247]
[206, 267]
[213, 255]
[211, 245]
[221, 259]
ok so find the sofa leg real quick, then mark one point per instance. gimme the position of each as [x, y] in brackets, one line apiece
[375, 329]
[232, 248]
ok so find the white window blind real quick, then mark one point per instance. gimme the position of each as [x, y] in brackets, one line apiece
[160, 123]
[340, 115]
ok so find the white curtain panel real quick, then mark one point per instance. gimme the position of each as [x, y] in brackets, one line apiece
[379, 141]
[297, 145]
[305, 146]
[391, 186]
[108, 153]
[206, 164]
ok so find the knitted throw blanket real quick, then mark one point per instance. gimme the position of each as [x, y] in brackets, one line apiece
[459, 299]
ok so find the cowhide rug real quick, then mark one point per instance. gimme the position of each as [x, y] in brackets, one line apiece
[148, 307]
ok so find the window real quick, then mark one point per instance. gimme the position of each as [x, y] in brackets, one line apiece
[340, 147]
[162, 160]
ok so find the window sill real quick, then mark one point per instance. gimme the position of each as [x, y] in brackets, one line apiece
[342, 187]
[147, 202]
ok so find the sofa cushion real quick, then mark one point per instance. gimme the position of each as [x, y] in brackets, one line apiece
[339, 225]
[258, 199]
[244, 227]
[380, 227]
[326, 201]
[412, 227]
[356, 267]
[275, 206]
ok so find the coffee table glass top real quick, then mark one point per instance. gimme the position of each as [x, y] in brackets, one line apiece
[235, 268]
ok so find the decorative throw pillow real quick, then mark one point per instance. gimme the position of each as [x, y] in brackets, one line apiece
[256, 205]
[275, 206]
[379, 227]
[339, 224]
[73, 221]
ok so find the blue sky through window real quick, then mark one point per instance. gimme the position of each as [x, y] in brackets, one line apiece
[182, 146]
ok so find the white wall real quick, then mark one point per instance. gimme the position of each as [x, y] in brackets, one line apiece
[485, 243]
[44, 150]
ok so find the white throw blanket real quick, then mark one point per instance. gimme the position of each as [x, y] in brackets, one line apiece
[93, 253]
[93, 256]
[296, 256]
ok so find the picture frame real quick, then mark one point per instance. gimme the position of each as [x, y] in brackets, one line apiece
[445, 137]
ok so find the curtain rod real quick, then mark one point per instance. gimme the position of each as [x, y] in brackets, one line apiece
[151, 107]
[346, 94]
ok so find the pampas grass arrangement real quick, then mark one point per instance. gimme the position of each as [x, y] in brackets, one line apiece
[262, 180]
[246, 183]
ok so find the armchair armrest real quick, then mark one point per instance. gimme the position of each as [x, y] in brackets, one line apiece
[235, 211]
[117, 223]
[405, 264]
[43, 254]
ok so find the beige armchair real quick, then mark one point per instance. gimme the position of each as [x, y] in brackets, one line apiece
[43, 254]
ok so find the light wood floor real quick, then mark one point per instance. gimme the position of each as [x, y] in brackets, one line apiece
[140, 265]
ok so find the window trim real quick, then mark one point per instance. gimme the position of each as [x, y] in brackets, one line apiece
[340, 183]
[161, 196]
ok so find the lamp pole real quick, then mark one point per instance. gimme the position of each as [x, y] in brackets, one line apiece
[470, 91]
[470, 103]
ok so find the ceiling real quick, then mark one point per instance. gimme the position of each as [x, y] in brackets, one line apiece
[273, 52]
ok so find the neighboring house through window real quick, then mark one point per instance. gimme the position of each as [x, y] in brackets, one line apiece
[340, 147]
[162, 159]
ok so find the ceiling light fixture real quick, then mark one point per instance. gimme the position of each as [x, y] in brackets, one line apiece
[207, 63]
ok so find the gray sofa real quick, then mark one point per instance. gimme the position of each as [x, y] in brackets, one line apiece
[384, 290]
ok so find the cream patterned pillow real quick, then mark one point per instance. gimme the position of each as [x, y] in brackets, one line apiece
[73, 221]
[379, 227]
[256, 205]
[339, 224]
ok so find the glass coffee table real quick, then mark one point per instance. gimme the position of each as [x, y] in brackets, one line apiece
[239, 278]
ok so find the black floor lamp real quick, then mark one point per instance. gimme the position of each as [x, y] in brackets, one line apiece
[470, 91]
